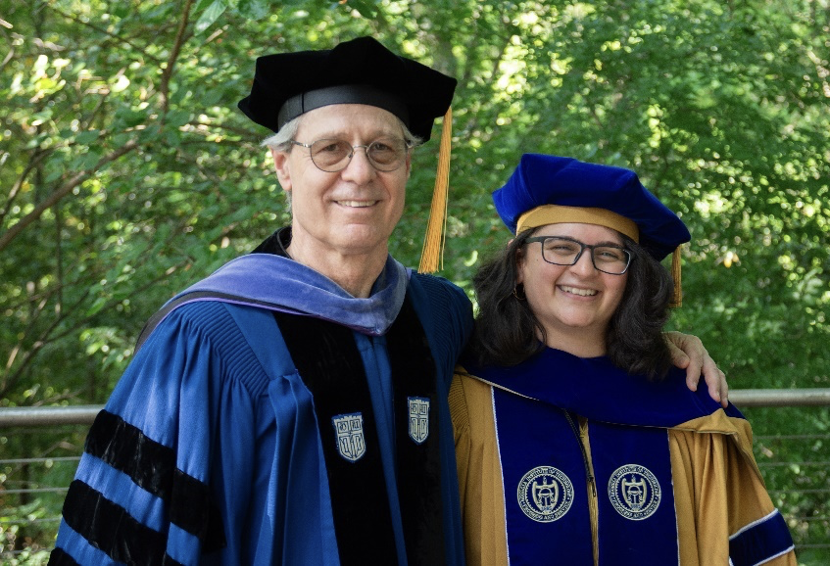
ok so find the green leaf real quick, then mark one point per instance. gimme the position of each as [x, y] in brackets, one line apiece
[202, 5]
[366, 8]
[87, 137]
[149, 134]
[53, 175]
[210, 15]
[121, 139]
[253, 9]
[91, 159]
[213, 96]
[96, 306]
[172, 137]
[130, 117]
[177, 118]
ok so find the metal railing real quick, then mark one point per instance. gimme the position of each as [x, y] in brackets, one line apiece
[796, 468]
[85, 414]
[40, 416]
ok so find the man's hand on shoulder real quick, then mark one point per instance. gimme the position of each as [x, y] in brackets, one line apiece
[688, 353]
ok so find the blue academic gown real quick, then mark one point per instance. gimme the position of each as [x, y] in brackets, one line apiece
[212, 453]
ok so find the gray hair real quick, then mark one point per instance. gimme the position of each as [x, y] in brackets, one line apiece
[281, 141]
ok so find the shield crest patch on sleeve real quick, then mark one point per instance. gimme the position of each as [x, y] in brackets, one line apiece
[418, 419]
[351, 444]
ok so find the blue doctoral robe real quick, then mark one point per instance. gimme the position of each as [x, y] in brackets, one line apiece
[209, 451]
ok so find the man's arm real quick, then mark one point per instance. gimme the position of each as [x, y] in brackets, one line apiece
[141, 492]
[688, 353]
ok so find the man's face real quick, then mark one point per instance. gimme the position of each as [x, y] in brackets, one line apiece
[350, 212]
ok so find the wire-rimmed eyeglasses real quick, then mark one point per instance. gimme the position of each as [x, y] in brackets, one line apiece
[559, 250]
[332, 155]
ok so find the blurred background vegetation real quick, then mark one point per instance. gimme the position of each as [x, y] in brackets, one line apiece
[127, 173]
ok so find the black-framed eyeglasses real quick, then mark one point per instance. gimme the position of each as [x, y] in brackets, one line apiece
[332, 155]
[559, 250]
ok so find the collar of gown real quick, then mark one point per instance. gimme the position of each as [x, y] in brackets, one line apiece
[278, 283]
[596, 389]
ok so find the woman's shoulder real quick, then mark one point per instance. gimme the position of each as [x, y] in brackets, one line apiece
[468, 397]
[666, 402]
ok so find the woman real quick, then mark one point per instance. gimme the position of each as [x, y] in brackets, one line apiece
[594, 451]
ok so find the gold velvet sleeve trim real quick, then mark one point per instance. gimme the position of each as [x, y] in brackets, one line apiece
[479, 471]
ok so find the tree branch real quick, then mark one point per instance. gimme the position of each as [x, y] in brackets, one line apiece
[247, 133]
[35, 160]
[107, 33]
[46, 337]
[10, 55]
[164, 87]
[9, 381]
[60, 193]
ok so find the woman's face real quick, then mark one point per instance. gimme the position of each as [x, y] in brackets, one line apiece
[571, 301]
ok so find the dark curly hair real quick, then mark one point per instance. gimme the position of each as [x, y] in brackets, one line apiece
[506, 331]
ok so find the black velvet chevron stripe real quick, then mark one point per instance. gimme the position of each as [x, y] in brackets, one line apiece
[330, 365]
[193, 509]
[152, 466]
[419, 465]
[110, 528]
[127, 449]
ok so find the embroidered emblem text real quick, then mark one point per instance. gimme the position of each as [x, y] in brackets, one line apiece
[351, 444]
[634, 492]
[545, 494]
[418, 419]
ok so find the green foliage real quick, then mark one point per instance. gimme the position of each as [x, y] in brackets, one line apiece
[126, 172]
[791, 450]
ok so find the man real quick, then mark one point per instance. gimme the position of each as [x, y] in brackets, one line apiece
[292, 407]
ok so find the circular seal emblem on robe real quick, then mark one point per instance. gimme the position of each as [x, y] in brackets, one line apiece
[634, 492]
[545, 494]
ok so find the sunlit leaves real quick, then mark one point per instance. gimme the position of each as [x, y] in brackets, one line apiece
[722, 108]
[210, 14]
